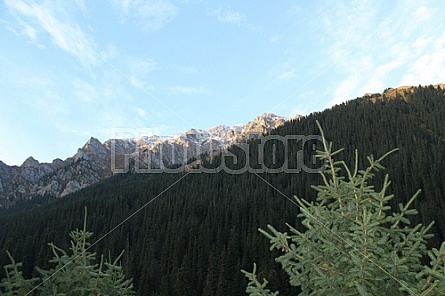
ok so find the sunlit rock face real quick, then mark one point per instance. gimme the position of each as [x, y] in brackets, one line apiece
[96, 161]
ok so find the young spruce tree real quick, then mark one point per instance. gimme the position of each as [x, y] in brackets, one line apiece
[354, 243]
[74, 273]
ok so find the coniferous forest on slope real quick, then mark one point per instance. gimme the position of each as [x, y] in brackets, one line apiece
[195, 237]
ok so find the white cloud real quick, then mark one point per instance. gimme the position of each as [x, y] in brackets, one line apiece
[135, 81]
[73, 130]
[141, 113]
[187, 90]
[372, 47]
[81, 5]
[345, 91]
[84, 91]
[423, 14]
[49, 103]
[274, 38]
[68, 37]
[233, 17]
[190, 70]
[421, 43]
[286, 75]
[378, 74]
[30, 32]
[110, 53]
[227, 16]
[427, 68]
[164, 129]
[140, 66]
[294, 10]
[23, 29]
[150, 15]
[297, 111]
[138, 70]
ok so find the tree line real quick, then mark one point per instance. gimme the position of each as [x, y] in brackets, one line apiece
[195, 237]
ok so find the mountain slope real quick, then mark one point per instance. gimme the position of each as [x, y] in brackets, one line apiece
[96, 161]
[191, 234]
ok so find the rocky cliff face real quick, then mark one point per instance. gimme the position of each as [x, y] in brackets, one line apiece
[96, 161]
[400, 91]
[89, 165]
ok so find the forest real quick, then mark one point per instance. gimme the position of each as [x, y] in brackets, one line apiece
[191, 234]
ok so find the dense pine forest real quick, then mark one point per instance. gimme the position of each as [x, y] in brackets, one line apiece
[195, 232]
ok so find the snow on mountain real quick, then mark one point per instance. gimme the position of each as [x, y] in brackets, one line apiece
[227, 133]
[96, 161]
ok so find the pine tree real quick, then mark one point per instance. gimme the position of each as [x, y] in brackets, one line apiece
[354, 244]
[75, 273]
[15, 283]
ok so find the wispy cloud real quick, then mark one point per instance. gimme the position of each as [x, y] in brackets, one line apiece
[187, 90]
[423, 13]
[139, 65]
[232, 17]
[110, 52]
[427, 68]
[294, 10]
[286, 75]
[138, 70]
[69, 37]
[29, 31]
[368, 53]
[23, 29]
[274, 38]
[189, 70]
[150, 14]
[81, 5]
[84, 91]
[141, 112]
[73, 130]
[49, 103]
[227, 16]
[141, 84]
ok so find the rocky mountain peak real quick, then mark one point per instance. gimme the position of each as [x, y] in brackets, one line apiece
[92, 148]
[226, 132]
[58, 163]
[93, 145]
[399, 91]
[96, 161]
[268, 115]
[30, 162]
[264, 123]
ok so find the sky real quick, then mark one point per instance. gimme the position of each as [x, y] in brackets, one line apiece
[71, 70]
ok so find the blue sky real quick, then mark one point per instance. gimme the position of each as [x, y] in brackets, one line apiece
[75, 69]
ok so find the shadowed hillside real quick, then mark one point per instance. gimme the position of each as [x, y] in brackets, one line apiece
[196, 231]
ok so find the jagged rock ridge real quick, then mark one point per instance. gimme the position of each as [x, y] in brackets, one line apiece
[399, 91]
[95, 161]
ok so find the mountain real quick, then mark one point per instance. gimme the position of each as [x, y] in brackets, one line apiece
[191, 234]
[96, 161]
[400, 92]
